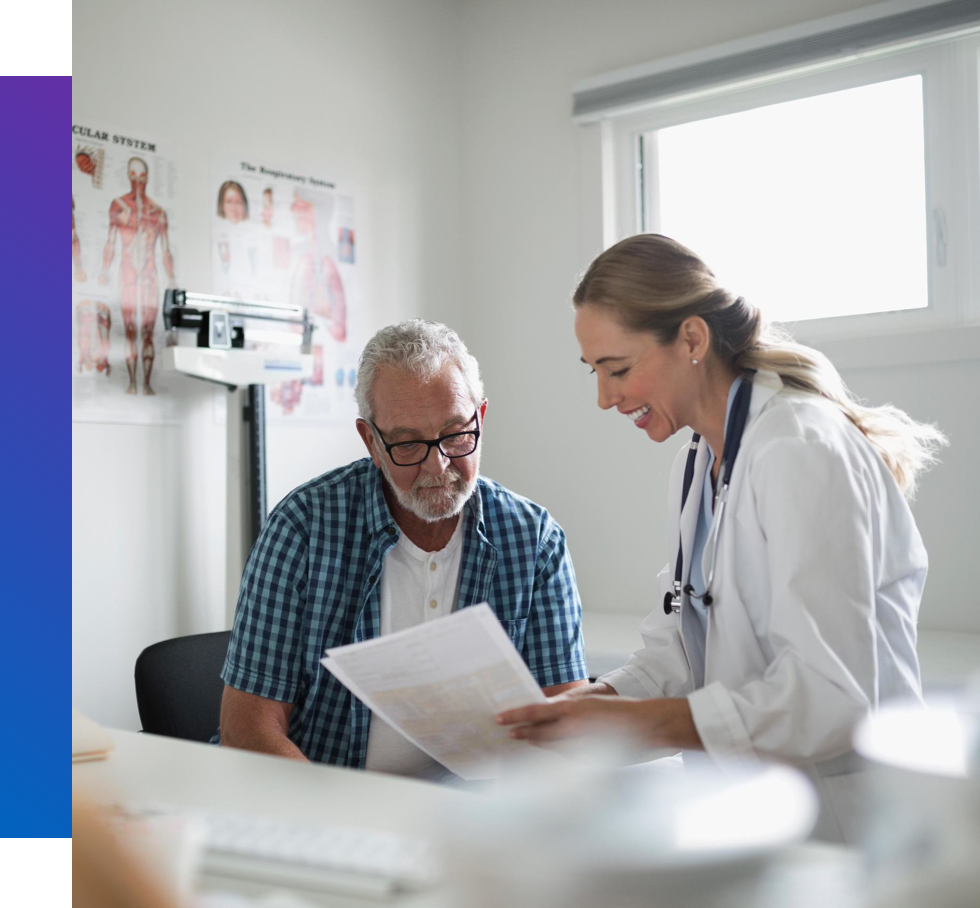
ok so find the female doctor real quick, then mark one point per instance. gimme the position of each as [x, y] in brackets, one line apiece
[796, 568]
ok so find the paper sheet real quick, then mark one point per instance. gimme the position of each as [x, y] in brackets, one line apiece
[440, 684]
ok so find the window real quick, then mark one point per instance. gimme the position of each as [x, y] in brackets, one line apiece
[770, 195]
[844, 200]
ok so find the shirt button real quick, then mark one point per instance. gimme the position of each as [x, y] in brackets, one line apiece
[433, 604]
[390, 531]
[432, 566]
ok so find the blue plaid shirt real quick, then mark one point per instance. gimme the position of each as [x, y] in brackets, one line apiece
[312, 581]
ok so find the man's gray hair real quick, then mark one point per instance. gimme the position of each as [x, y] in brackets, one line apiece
[417, 346]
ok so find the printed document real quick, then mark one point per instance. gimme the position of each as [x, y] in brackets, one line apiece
[440, 684]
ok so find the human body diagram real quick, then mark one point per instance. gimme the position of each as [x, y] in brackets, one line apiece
[137, 224]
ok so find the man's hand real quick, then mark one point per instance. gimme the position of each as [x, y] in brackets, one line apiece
[643, 723]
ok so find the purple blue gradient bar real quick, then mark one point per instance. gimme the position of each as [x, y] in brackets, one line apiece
[35, 460]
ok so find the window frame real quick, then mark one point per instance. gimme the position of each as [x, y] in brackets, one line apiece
[950, 72]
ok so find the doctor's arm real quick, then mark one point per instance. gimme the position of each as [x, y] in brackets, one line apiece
[644, 724]
[645, 696]
[660, 669]
[557, 690]
[815, 512]
[641, 703]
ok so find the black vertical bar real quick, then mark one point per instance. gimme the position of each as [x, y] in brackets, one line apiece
[255, 415]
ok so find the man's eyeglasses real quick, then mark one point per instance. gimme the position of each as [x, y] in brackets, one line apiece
[411, 453]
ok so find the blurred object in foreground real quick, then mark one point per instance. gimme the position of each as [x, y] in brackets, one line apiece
[107, 871]
[924, 839]
[573, 837]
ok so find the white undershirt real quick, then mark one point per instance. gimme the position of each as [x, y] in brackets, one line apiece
[416, 586]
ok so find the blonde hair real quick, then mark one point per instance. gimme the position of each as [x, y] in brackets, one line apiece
[653, 283]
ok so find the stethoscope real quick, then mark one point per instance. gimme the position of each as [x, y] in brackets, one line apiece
[733, 441]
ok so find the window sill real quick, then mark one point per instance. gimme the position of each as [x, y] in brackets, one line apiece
[940, 345]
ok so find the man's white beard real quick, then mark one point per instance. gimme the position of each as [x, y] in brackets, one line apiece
[438, 506]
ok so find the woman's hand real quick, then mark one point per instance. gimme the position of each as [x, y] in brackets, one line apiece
[644, 723]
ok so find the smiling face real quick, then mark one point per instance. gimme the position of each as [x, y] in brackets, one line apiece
[645, 380]
[409, 409]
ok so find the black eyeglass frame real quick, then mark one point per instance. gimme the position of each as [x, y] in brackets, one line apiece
[435, 443]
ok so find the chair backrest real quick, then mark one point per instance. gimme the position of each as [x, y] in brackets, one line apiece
[178, 688]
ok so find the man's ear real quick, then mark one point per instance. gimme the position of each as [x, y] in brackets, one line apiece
[370, 440]
[483, 412]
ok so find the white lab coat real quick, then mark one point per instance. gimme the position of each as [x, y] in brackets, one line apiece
[816, 594]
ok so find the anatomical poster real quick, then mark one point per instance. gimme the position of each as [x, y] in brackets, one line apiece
[285, 235]
[124, 256]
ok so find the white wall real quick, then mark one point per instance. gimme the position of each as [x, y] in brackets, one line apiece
[365, 92]
[532, 222]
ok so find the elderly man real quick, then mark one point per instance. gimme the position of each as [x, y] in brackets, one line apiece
[385, 543]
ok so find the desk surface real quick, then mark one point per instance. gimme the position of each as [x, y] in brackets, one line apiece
[147, 769]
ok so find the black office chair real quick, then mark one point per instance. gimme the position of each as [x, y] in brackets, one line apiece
[178, 688]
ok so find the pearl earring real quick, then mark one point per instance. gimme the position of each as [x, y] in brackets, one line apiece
[694, 362]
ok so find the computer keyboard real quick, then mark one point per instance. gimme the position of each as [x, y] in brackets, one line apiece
[313, 856]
